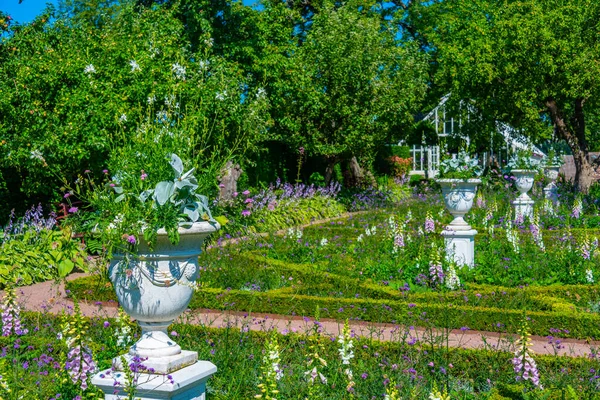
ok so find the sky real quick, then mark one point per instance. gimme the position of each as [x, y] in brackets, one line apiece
[26, 11]
[29, 9]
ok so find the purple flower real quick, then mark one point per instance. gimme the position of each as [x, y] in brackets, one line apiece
[73, 210]
[131, 239]
[106, 324]
[246, 213]
[105, 171]
[66, 196]
[246, 192]
[143, 176]
[248, 200]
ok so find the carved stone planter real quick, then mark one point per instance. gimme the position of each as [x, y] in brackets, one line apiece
[458, 236]
[523, 204]
[550, 191]
[458, 197]
[156, 286]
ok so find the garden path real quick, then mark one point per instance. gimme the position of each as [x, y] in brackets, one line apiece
[51, 297]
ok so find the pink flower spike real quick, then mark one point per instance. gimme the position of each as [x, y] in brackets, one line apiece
[105, 171]
[246, 213]
[248, 200]
[235, 194]
[246, 192]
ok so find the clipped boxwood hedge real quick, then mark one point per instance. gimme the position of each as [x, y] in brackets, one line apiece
[426, 309]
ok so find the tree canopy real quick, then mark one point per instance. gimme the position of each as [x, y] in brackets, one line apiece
[534, 64]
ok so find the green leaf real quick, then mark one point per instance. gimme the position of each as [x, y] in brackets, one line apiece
[163, 192]
[222, 220]
[65, 267]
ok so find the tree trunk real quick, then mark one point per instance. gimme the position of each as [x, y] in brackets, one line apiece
[331, 162]
[573, 132]
[353, 175]
[228, 180]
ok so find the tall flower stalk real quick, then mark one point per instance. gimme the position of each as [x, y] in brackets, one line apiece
[346, 354]
[271, 371]
[11, 314]
[523, 363]
[314, 363]
[536, 233]
[79, 363]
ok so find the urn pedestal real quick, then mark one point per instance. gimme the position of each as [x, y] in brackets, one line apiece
[154, 287]
[458, 236]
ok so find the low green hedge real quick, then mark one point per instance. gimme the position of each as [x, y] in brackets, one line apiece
[427, 311]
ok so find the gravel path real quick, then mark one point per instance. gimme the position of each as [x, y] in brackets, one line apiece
[50, 297]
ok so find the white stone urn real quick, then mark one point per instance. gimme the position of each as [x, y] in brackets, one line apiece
[523, 182]
[551, 172]
[155, 286]
[458, 197]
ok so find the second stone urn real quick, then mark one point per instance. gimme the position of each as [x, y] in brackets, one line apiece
[523, 204]
[458, 236]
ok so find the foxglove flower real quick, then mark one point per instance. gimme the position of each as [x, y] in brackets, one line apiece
[523, 364]
[11, 314]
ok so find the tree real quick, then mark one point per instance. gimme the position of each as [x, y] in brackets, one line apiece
[73, 90]
[346, 83]
[529, 63]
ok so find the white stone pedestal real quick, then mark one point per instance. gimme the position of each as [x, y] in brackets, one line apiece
[161, 365]
[523, 207]
[460, 246]
[188, 383]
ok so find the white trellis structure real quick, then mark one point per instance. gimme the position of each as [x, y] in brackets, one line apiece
[426, 159]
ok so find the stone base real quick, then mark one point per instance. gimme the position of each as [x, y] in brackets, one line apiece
[188, 383]
[523, 208]
[460, 246]
[161, 365]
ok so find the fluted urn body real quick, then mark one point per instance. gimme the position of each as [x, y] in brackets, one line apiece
[524, 179]
[458, 197]
[155, 286]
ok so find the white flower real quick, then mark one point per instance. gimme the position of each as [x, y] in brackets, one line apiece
[221, 96]
[452, 280]
[36, 154]
[209, 42]
[89, 69]
[134, 66]
[324, 242]
[151, 99]
[179, 71]
[123, 118]
[260, 93]
[360, 238]
[589, 276]
[169, 100]
[203, 64]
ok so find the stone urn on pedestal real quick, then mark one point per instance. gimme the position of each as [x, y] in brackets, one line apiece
[458, 197]
[550, 191]
[523, 204]
[154, 287]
